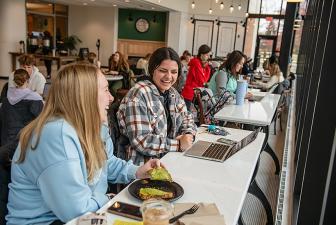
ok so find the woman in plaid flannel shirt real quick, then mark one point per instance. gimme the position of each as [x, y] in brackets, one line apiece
[153, 117]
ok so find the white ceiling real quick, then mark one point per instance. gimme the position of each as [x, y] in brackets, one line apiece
[135, 4]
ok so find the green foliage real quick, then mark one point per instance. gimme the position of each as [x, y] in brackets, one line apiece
[71, 42]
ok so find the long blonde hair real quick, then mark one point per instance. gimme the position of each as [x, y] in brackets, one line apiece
[73, 96]
[274, 69]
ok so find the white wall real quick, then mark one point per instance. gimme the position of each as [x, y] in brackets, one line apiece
[180, 30]
[91, 23]
[12, 30]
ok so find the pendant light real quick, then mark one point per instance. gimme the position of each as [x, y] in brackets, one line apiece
[193, 5]
[231, 7]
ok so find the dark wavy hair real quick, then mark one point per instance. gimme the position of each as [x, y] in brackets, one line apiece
[203, 49]
[233, 59]
[160, 55]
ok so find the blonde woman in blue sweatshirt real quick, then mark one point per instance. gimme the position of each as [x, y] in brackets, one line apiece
[65, 156]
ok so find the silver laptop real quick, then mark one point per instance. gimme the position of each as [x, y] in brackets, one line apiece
[219, 152]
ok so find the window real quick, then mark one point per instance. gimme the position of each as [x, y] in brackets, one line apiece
[271, 7]
[45, 22]
[268, 26]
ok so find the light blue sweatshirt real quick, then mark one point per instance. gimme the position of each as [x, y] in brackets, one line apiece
[223, 80]
[52, 182]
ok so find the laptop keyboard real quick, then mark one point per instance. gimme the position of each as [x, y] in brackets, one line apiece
[216, 151]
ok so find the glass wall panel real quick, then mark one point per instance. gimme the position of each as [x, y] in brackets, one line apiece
[38, 24]
[45, 22]
[271, 7]
[61, 10]
[39, 7]
[254, 6]
[268, 26]
[278, 45]
[61, 28]
[265, 50]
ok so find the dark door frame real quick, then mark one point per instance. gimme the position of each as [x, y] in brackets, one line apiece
[256, 52]
[193, 40]
[235, 35]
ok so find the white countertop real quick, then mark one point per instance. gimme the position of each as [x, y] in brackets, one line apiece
[256, 113]
[225, 184]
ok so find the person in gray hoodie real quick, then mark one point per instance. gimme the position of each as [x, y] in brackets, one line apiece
[36, 79]
[21, 106]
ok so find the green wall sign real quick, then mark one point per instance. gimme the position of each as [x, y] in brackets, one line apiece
[142, 25]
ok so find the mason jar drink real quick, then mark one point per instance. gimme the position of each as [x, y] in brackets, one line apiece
[156, 212]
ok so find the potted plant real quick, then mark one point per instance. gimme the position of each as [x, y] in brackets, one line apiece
[70, 42]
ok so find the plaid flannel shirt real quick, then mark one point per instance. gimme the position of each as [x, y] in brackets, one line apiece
[142, 119]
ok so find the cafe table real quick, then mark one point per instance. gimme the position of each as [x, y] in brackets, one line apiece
[59, 59]
[225, 184]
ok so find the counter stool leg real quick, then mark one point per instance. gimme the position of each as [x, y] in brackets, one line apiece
[255, 190]
[240, 220]
[267, 148]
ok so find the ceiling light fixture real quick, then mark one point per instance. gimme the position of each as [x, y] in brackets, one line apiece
[193, 5]
[114, 5]
[222, 5]
[246, 14]
[210, 11]
[239, 7]
[216, 1]
[84, 3]
[231, 8]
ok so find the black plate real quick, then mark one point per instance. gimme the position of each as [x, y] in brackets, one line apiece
[173, 187]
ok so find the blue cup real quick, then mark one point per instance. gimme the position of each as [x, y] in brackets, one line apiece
[241, 91]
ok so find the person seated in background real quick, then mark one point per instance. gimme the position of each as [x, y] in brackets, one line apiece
[198, 74]
[36, 79]
[143, 63]
[153, 117]
[274, 71]
[92, 57]
[65, 156]
[185, 58]
[246, 70]
[47, 38]
[228, 74]
[119, 66]
[21, 106]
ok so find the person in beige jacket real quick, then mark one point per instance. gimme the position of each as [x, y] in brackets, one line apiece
[274, 71]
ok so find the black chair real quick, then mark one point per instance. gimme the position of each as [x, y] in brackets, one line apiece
[136, 71]
[4, 92]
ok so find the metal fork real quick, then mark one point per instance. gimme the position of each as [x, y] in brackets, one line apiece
[189, 211]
